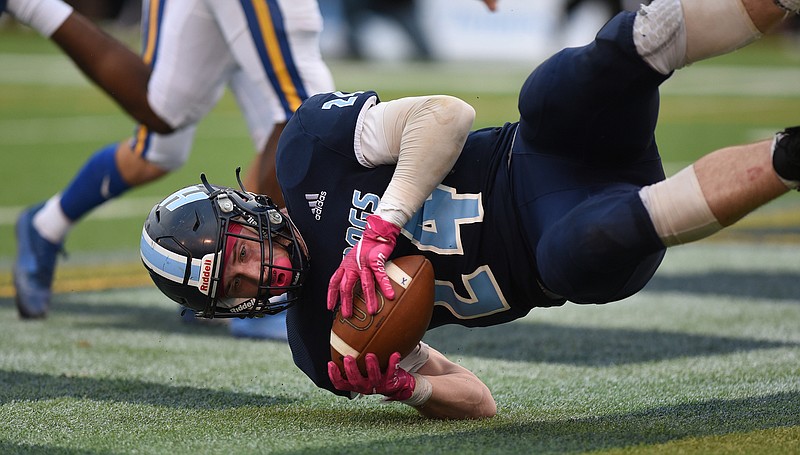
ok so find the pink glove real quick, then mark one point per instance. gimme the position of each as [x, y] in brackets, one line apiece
[366, 262]
[396, 384]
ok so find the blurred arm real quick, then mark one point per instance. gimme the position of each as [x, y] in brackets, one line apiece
[112, 66]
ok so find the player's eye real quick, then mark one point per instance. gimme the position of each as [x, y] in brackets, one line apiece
[242, 254]
[236, 284]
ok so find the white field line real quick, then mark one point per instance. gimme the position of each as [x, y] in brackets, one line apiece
[52, 70]
[63, 130]
[128, 207]
[89, 128]
[471, 77]
[734, 81]
[56, 70]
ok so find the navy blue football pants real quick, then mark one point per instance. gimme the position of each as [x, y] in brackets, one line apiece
[584, 148]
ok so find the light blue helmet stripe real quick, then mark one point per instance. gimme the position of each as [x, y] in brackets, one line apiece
[169, 265]
[182, 197]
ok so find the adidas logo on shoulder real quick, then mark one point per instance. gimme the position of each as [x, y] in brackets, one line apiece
[315, 202]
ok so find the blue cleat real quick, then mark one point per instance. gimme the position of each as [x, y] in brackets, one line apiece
[188, 317]
[270, 327]
[2, 6]
[34, 267]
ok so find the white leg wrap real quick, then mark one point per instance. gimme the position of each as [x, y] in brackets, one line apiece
[659, 34]
[678, 209]
[670, 34]
[716, 27]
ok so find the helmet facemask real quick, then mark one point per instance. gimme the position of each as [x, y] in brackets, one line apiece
[265, 227]
[214, 212]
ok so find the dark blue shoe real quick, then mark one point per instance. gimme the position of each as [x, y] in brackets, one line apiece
[2, 6]
[188, 317]
[33, 268]
[270, 327]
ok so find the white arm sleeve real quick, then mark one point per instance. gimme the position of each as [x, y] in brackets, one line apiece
[423, 136]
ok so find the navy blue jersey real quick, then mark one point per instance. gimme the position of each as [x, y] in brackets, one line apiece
[468, 228]
[550, 199]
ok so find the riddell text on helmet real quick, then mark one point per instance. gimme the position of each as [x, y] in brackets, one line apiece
[205, 275]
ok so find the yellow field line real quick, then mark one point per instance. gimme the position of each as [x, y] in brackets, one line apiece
[789, 217]
[764, 226]
[95, 277]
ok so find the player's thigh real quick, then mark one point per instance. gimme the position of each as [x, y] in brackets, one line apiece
[597, 102]
[277, 46]
[546, 185]
[604, 249]
[191, 66]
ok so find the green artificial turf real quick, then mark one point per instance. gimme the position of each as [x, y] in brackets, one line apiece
[705, 360]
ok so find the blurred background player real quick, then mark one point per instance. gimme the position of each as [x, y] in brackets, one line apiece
[401, 12]
[580, 18]
[266, 51]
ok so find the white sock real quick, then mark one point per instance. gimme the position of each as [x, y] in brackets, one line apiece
[51, 222]
[716, 27]
[44, 16]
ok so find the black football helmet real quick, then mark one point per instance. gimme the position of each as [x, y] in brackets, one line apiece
[183, 248]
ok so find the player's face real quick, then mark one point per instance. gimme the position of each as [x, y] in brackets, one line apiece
[244, 264]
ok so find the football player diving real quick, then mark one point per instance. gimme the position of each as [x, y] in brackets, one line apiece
[569, 203]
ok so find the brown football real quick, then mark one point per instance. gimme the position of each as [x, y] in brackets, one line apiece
[398, 325]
